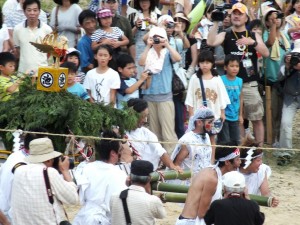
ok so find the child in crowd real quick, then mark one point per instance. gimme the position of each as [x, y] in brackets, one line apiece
[74, 87]
[87, 20]
[73, 55]
[9, 83]
[200, 31]
[129, 85]
[106, 34]
[214, 94]
[102, 82]
[234, 111]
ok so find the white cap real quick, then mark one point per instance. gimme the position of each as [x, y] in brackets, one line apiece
[234, 181]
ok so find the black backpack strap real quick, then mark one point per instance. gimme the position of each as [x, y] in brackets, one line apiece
[17, 165]
[123, 197]
[203, 91]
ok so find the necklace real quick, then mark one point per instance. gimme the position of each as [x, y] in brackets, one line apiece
[241, 48]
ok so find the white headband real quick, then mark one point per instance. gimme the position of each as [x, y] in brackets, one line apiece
[249, 157]
[230, 156]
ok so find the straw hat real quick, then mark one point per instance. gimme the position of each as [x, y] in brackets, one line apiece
[41, 150]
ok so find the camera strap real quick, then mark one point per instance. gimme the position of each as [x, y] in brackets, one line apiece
[50, 194]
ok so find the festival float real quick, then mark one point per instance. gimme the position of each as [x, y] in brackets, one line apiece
[46, 103]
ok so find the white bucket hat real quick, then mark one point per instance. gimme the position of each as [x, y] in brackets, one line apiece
[41, 150]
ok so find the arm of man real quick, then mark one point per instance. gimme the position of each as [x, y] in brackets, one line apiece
[64, 189]
[3, 219]
[214, 38]
[261, 47]
[182, 154]
[157, 208]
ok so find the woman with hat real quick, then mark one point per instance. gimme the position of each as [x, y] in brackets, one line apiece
[158, 57]
[278, 43]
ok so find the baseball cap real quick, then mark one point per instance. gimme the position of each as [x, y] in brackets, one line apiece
[234, 181]
[240, 7]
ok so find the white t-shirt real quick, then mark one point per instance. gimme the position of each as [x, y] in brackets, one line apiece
[30, 57]
[101, 181]
[4, 36]
[101, 84]
[215, 91]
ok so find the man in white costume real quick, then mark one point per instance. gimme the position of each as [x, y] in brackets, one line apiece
[198, 156]
[99, 180]
[150, 151]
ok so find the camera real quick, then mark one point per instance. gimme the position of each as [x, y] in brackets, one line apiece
[56, 162]
[295, 58]
[156, 40]
[280, 15]
[149, 72]
[170, 25]
[220, 13]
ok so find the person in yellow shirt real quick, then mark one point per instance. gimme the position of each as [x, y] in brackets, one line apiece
[9, 83]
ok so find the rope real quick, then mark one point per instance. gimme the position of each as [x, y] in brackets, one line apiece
[148, 141]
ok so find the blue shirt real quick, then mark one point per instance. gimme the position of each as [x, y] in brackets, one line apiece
[161, 82]
[122, 97]
[78, 89]
[86, 52]
[233, 88]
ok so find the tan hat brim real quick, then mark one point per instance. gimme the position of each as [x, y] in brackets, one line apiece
[42, 158]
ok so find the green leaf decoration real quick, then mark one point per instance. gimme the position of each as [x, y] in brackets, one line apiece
[55, 111]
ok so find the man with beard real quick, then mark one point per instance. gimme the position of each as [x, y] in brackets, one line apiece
[194, 149]
[238, 41]
[207, 186]
[100, 179]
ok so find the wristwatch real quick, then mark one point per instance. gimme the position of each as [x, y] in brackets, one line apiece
[255, 43]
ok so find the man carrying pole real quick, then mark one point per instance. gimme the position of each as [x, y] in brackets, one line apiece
[207, 186]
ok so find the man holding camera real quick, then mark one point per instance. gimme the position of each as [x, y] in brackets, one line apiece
[238, 41]
[289, 72]
[39, 190]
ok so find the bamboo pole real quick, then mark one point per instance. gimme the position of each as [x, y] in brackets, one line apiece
[159, 186]
[180, 198]
[269, 115]
[170, 175]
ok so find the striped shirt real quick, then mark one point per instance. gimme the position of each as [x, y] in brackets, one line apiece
[99, 34]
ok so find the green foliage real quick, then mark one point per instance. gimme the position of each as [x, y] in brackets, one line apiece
[55, 111]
